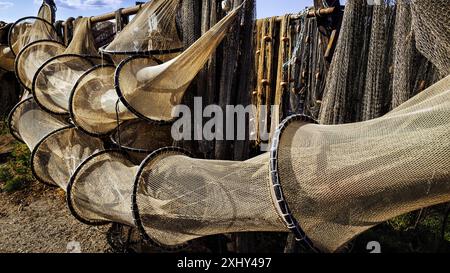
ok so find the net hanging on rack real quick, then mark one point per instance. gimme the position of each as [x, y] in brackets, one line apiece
[96, 199]
[378, 64]
[94, 104]
[326, 183]
[152, 31]
[28, 123]
[151, 91]
[55, 79]
[56, 157]
[30, 29]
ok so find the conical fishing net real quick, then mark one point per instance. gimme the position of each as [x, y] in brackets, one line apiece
[56, 157]
[29, 123]
[32, 57]
[55, 79]
[151, 91]
[95, 198]
[339, 181]
[30, 29]
[378, 62]
[178, 198]
[152, 31]
[94, 104]
[140, 138]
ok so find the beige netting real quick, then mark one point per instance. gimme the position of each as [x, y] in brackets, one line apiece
[178, 198]
[95, 198]
[32, 57]
[29, 123]
[94, 104]
[31, 29]
[151, 91]
[153, 30]
[140, 138]
[342, 180]
[57, 156]
[55, 79]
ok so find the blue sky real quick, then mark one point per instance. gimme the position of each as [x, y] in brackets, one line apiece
[11, 10]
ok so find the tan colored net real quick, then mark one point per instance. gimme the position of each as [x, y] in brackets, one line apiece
[140, 138]
[30, 29]
[32, 57]
[152, 31]
[95, 198]
[339, 181]
[94, 104]
[178, 198]
[55, 79]
[56, 157]
[29, 123]
[151, 91]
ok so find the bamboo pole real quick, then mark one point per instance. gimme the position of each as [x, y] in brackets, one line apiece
[133, 10]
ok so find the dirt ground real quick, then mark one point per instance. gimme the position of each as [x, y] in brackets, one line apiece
[37, 220]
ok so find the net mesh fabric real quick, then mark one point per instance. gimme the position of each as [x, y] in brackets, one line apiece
[30, 124]
[94, 104]
[377, 64]
[56, 78]
[28, 30]
[153, 90]
[431, 19]
[180, 198]
[342, 180]
[54, 81]
[31, 58]
[153, 29]
[55, 159]
[140, 138]
[96, 198]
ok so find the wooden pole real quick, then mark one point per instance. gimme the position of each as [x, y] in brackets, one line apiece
[135, 9]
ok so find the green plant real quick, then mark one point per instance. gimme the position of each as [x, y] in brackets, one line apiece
[16, 173]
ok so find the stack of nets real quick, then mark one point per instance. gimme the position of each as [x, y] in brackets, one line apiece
[151, 91]
[327, 184]
[386, 54]
[56, 77]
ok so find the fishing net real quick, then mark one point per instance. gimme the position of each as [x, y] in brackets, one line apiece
[28, 123]
[151, 91]
[140, 138]
[377, 65]
[431, 21]
[55, 79]
[32, 57]
[94, 104]
[152, 31]
[338, 181]
[30, 29]
[178, 198]
[56, 157]
[96, 199]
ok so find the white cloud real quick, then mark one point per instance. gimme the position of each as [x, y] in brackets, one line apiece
[5, 5]
[88, 4]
